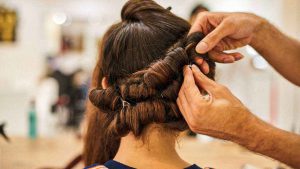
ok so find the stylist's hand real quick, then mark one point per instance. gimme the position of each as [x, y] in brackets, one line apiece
[224, 31]
[222, 116]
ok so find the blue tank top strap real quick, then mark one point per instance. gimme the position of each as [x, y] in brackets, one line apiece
[194, 166]
[111, 164]
[91, 166]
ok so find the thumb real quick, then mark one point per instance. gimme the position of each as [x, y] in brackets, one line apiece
[202, 81]
[214, 37]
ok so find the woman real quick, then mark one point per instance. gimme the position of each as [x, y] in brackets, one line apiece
[133, 120]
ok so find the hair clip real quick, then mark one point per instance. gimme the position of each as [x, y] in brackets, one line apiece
[169, 8]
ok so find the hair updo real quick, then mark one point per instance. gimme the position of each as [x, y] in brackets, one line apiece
[142, 57]
[151, 93]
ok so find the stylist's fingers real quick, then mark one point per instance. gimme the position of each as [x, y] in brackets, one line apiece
[200, 62]
[182, 102]
[189, 96]
[204, 67]
[189, 87]
[230, 43]
[186, 110]
[183, 105]
[214, 37]
[219, 57]
[222, 57]
[203, 81]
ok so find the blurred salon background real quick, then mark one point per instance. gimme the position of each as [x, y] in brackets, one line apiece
[48, 49]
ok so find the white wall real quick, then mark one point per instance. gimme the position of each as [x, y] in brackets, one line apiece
[20, 65]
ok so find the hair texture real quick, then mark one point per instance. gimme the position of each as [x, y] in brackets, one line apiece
[142, 57]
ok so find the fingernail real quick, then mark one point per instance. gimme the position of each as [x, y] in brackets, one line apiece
[195, 67]
[228, 60]
[238, 57]
[186, 67]
[199, 60]
[201, 47]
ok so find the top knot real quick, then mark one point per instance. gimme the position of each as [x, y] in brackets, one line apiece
[136, 10]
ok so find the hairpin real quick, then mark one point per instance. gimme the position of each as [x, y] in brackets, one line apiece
[169, 8]
[124, 103]
[190, 65]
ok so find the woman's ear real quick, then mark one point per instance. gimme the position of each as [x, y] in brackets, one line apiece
[104, 83]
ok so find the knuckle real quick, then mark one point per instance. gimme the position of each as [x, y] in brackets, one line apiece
[220, 46]
[193, 125]
[229, 22]
[193, 129]
[202, 14]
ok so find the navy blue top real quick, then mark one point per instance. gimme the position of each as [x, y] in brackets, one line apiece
[111, 164]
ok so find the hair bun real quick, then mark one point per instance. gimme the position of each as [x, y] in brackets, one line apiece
[135, 10]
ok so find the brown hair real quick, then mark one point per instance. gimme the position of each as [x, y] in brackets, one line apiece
[198, 8]
[142, 56]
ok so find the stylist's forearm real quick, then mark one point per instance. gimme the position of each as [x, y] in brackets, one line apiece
[270, 141]
[225, 117]
[281, 51]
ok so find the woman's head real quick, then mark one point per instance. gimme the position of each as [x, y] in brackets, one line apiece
[142, 58]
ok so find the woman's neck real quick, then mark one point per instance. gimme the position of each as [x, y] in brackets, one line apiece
[158, 149]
